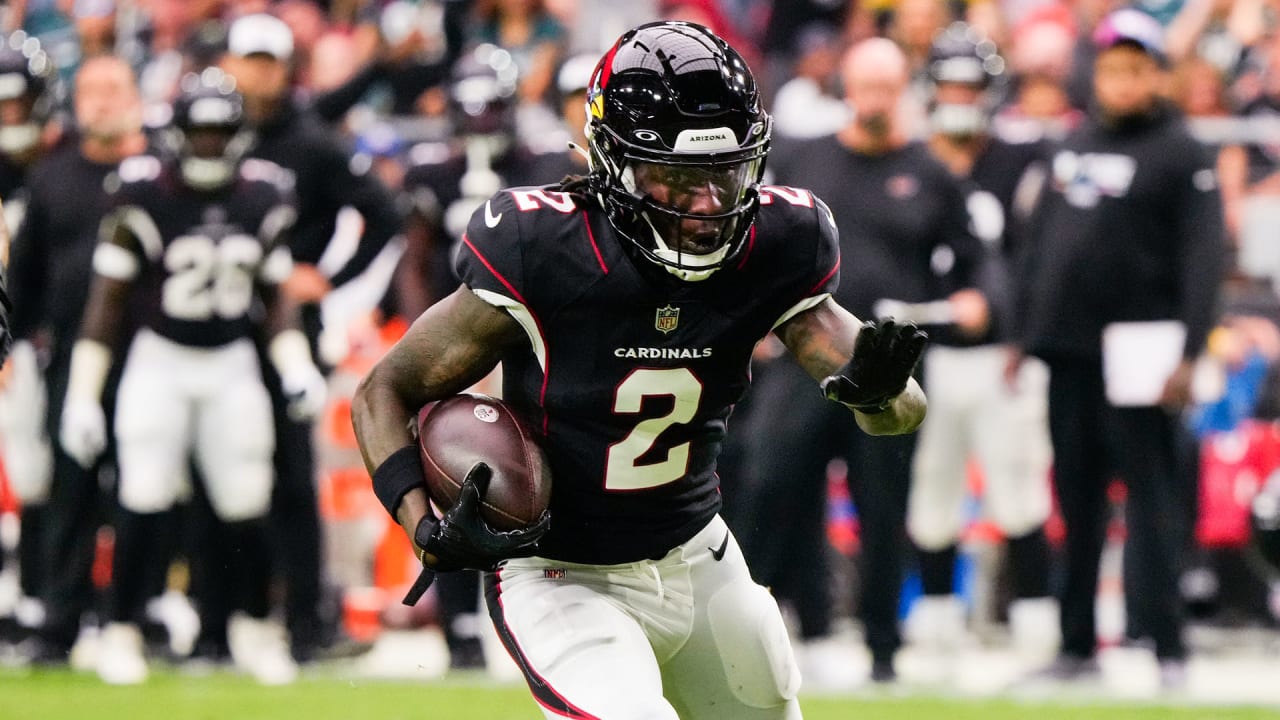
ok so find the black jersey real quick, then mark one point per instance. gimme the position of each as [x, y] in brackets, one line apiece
[1000, 195]
[999, 174]
[198, 257]
[632, 373]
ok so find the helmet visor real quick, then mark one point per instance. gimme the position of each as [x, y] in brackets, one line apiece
[696, 204]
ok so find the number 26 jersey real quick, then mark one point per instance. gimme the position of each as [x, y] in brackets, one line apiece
[197, 259]
[631, 374]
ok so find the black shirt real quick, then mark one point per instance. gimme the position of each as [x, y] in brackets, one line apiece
[631, 374]
[51, 257]
[1129, 228]
[299, 142]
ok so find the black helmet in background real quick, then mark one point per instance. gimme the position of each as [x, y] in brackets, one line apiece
[27, 79]
[208, 133]
[966, 78]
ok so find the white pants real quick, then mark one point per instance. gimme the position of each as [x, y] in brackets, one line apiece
[28, 457]
[972, 412]
[687, 636]
[173, 399]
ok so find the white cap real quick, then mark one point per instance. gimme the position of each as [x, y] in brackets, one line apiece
[261, 33]
[575, 73]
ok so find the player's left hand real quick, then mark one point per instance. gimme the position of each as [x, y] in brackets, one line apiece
[884, 356]
[304, 391]
[462, 540]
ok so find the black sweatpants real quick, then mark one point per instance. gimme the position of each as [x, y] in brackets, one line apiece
[75, 510]
[295, 528]
[1091, 441]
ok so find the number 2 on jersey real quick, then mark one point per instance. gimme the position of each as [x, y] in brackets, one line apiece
[207, 278]
[622, 471]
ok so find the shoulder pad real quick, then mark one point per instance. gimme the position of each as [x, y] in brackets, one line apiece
[139, 168]
[795, 197]
[259, 170]
[529, 199]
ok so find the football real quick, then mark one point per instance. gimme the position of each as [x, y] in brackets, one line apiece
[456, 433]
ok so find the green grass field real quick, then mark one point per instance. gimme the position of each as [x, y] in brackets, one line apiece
[66, 696]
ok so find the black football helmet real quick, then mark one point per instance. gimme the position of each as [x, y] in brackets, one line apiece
[677, 139]
[962, 55]
[208, 133]
[26, 74]
[482, 92]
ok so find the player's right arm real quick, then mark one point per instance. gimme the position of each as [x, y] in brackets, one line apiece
[450, 347]
[865, 366]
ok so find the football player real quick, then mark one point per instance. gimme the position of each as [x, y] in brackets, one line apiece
[974, 412]
[49, 278]
[26, 101]
[624, 306]
[193, 242]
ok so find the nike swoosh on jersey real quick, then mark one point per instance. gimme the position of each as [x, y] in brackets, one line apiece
[490, 219]
[718, 553]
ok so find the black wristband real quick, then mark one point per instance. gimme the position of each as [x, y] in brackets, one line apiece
[397, 475]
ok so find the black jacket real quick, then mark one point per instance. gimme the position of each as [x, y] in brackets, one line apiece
[1129, 227]
[299, 142]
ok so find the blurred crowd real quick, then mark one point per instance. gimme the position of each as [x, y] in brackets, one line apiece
[933, 129]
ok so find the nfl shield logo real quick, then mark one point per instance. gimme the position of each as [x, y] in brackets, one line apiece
[667, 318]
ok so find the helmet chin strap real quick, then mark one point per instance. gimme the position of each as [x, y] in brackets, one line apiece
[206, 173]
[213, 173]
[686, 266]
[950, 119]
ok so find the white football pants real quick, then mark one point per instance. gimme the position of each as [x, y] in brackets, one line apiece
[689, 636]
[973, 413]
[174, 399]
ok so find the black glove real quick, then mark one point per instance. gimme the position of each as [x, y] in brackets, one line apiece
[884, 356]
[462, 540]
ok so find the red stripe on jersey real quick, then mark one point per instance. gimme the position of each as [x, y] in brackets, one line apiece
[824, 279]
[751, 243]
[485, 261]
[538, 685]
[592, 237]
